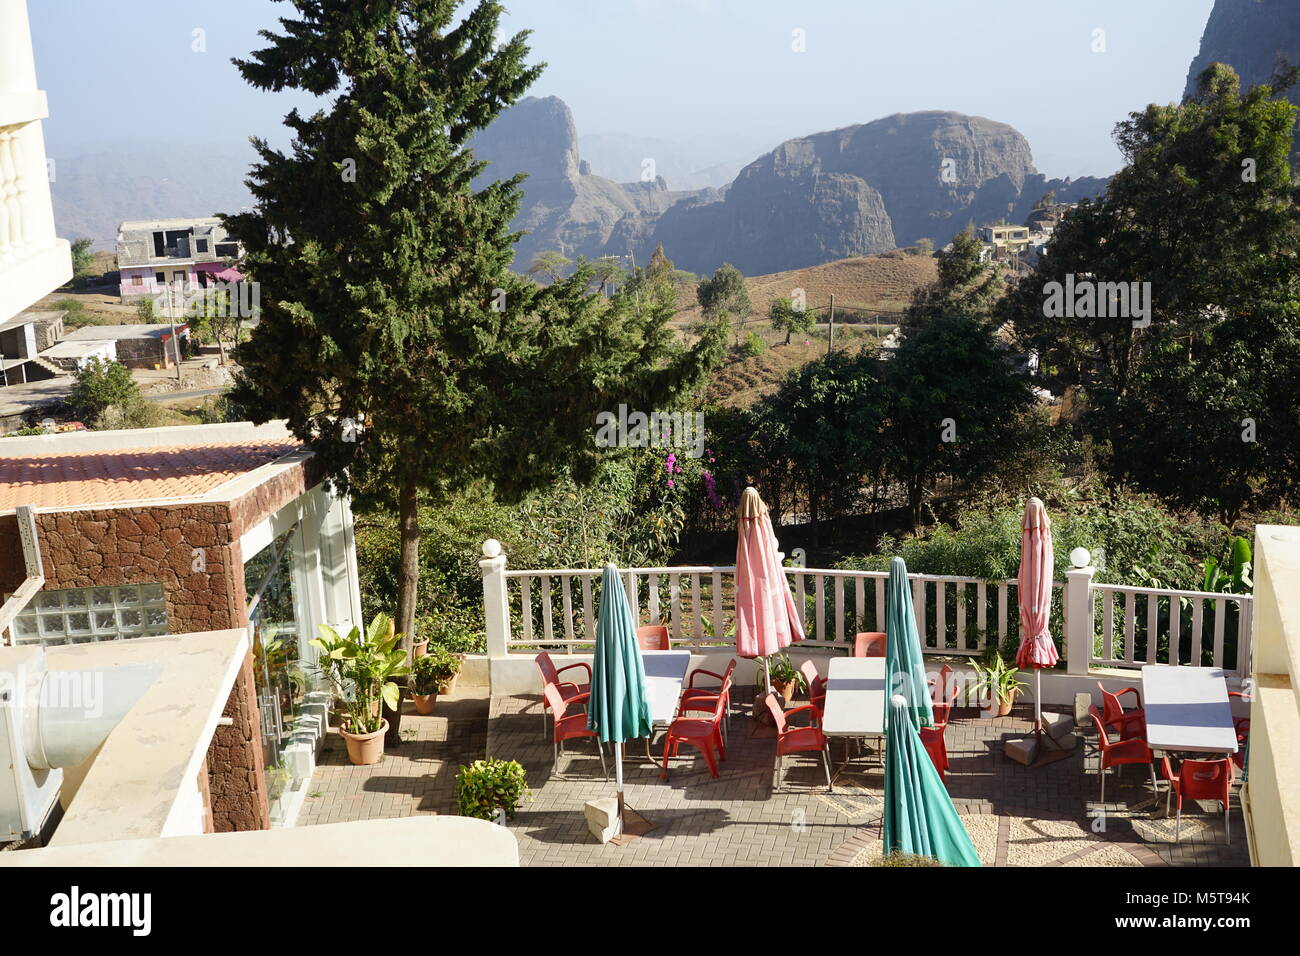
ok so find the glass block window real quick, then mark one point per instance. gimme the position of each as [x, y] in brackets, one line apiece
[82, 615]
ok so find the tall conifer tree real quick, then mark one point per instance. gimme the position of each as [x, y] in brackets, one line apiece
[393, 336]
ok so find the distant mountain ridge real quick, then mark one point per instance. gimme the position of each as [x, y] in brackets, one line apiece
[859, 190]
[1253, 37]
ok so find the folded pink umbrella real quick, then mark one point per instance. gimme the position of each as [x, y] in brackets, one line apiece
[1034, 594]
[766, 617]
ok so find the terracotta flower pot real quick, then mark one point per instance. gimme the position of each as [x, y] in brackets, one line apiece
[424, 703]
[785, 688]
[365, 749]
[420, 648]
[449, 686]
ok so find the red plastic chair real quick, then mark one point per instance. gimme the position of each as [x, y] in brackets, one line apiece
[569, 726]
[1130, 723]
[1242, 727]
[792, 740]
[943, 695]
[932, 739]
[568, 689]
[869, 644]
[816, 685]
[705, 698]
[702, 733]
[1119, 752]
[1201, 780]
[653, 637]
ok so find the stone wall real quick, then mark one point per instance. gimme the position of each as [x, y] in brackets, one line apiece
[193, 551]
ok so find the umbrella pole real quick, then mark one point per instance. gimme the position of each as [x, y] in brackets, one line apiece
[1038, 702]
[618, 782]
[767, 674]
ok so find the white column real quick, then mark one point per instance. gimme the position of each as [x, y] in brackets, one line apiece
[1078, 619]
[496, 604]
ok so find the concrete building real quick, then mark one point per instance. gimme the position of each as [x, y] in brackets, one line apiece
[1005, 240]
[167, 531]
[154, 255]
[136, 346]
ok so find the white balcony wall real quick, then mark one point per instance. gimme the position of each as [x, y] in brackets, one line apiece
[33, 260]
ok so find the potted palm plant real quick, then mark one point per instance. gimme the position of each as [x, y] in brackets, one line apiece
[360, 668]
[786, 678]
[996, 681]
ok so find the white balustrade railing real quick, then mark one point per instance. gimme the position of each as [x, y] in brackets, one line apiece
[1101, 625]
[1161, 626]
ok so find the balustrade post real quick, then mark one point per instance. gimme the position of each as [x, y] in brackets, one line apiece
[496, 603]
[1078, 619]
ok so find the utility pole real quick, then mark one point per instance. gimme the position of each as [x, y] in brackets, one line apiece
[171, 315]
[830, 337]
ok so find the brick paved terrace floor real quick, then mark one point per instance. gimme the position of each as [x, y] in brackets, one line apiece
[1017, 816]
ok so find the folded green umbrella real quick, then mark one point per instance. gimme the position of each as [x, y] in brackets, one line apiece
[619, 706]
[919, 815]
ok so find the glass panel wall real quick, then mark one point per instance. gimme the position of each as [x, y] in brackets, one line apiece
[283, 662]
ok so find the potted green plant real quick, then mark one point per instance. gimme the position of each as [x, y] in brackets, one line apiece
[785, 677]
[425, 682]
[446, 667]
[361, 667]
[491, 789]
[997, 682]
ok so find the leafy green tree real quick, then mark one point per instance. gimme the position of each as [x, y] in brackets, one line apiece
[967, 285]
[724, 295]
[955, 405]
[213, 318]
[1203, 217]
[785, 317]
[824, 427]
[549, 264]
[608, 273]
[83, 259]
[393, 336]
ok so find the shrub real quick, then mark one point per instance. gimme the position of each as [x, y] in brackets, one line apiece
[898, 858]
[488, 787]
[755, 344]
[101, 385]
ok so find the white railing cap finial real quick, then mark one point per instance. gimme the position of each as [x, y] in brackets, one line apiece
[491, 548]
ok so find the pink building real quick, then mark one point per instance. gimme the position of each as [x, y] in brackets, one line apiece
[178, 253]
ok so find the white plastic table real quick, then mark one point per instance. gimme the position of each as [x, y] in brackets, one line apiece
[855, 702]
[665, 672]
[855, 697]
[1187, 709]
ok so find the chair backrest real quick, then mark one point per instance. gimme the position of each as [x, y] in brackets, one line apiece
[1112, 709]
[1239, 703]
[1205, 779]
[726, 675]
[547, 667]
[653, 637]
[1099, 719]
[778, 713]
[556, 701]
[814, 680]
[869, 644]
[720, 706]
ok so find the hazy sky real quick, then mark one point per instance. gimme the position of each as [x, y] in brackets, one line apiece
[682, 70]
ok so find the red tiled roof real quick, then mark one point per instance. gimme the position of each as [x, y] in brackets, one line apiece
[76, 479]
